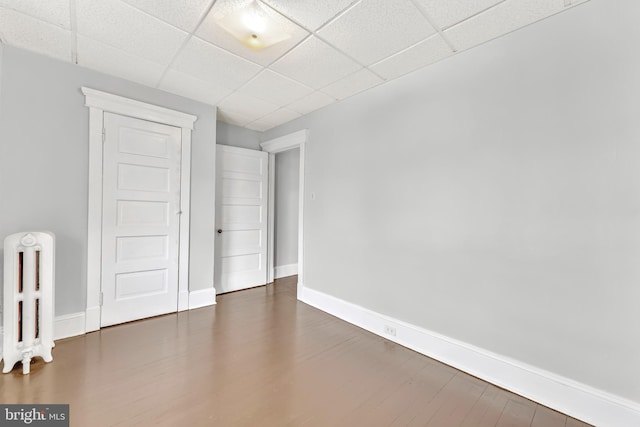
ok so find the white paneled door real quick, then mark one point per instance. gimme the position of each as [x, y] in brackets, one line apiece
[241, 218]
[140, 219]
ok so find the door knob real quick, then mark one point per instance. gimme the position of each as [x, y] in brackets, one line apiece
[219, 231]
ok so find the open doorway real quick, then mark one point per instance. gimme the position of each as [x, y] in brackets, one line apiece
[295, 141]
[285, 230]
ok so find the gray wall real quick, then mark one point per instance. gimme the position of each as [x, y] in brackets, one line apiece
[44, 129]
[286, 207]
[237, 137]
[495, 196]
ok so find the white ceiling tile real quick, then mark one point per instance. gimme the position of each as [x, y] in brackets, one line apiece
[259, 126]
[184, 14]
[248, 106]
[214, 33]
[422, 54]
[280, 116]
[191, 87]
[350, 85]
[312, 14]
[17, 29]
[126, 28]
[212, 64]
[367, 33]
[104, 58]
[448, 12]
[502, 19]
[276, 118]
[315, 64]
[272, 87]
[311, 103]
[233, 118]
[52, 11]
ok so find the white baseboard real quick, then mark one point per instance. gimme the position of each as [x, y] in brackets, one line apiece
[202, 298]
[92, 319]
[69, 325]
[285, 270]
[65, 326]
[570, 397]
[183, 300]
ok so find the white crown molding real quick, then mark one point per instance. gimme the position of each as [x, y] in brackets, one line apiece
[286, 142]
[132, 108]
[570, 397]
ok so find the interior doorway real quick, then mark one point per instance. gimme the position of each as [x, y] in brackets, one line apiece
[285, 232]
[288, 142]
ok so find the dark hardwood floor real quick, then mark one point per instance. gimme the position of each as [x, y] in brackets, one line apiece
[260, 358]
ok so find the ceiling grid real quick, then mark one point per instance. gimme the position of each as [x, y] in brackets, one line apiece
[333, 49]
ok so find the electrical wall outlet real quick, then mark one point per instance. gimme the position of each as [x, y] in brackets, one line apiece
[389, 330]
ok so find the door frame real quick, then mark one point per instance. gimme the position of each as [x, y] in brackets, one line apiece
[284, 143]
[100, 102]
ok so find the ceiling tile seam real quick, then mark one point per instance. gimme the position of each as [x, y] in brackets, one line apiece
[279, 75]
[375, 73]
[288, 106]
[309, 34]
[331, 45]
[355, 93]
[338, 15]
[473, 15]
[157, 18]
[107, 43]
[405, 50]
[310, 31]
[313, 32]
[517, 28]
[238, 89]
[184, 44]
[34, 17]
[276, 110]
[439, 30]
[340, 79]
[73, 23]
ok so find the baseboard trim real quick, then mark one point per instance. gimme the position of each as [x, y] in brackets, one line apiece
[285, 270]
[570, 397]
[202, 298]
[74, 324]
[65, 326]
[92, 322]
[69, 325]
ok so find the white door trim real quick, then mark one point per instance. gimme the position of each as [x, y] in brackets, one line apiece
[99, 103]
[274, 146]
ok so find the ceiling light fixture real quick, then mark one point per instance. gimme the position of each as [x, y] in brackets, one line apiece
[255, 26]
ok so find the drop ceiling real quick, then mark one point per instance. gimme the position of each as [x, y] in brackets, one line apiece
[337, 48]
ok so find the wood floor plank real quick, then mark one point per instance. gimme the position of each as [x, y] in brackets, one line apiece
[545, 417]
[488, 409]
[260, 357]
[572, 422]
[455, 410]
[517, 413]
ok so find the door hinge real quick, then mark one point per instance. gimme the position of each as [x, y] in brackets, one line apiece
[101, 299]
[104, 135]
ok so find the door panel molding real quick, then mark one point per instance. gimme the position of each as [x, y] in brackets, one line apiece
[98, 103]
